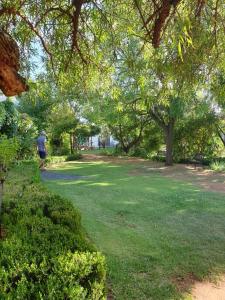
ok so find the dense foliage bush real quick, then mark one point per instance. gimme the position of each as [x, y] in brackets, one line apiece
[59, 150]
[139, 152]
[110, 152]
[8, 118]
[46, 253]
[55, 159]
[159, 158]
[194, 136]
[74, 156]
[26, 134]
[218, 164]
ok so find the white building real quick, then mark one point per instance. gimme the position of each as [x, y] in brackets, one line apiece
[94, 141]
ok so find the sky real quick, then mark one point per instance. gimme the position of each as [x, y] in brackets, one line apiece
[2, 97]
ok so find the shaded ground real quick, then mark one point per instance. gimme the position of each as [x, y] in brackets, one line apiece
[52, 175]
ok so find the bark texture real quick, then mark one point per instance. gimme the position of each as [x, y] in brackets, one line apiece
[169, 130]
[11, 83]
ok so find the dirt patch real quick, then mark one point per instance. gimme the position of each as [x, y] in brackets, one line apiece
[110, 295]
[183, 283]
[209, 290]
[204, 178]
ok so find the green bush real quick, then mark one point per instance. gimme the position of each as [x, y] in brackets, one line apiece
[60, 151]
[46, 253]
[74, 156]
[158, 158]
[106, 152]
[218, 166]
[55, 159]
[139, 152]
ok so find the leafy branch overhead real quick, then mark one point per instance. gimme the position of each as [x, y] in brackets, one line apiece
[75, 25]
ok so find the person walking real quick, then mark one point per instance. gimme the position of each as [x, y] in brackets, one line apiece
[41, 148]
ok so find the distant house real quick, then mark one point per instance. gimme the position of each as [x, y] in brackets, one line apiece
[96, 142]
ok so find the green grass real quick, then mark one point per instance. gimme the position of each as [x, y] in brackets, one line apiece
[101, 151]
[153, 230]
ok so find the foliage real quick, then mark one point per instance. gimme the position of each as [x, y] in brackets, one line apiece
[139, 152]
[74, 156]
[196, 135]
[55, 159]
[152, 139]
[45, 245]
[218, 166]
[83, 132]
[59, 149]
[8, 152]
[109, 152]
[8, 118]
[26, 136]
[38, 103]
[82, 31]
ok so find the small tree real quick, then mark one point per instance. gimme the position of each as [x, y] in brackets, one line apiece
[8, 152]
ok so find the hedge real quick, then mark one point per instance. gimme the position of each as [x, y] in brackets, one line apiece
[46, 253]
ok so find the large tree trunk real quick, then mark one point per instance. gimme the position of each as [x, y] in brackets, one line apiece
[11, 83]
[169, 143]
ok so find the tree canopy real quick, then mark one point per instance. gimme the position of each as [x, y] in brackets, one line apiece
[123, 63]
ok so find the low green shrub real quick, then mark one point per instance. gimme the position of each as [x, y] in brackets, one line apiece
[55, 159]
[218, 166]
[117, 151]
[74, 156]
[106, 152]
[158, 158]
[46, 253]
[60, 151]
[139, 152]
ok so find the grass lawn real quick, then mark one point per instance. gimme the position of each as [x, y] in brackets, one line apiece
[158, 234]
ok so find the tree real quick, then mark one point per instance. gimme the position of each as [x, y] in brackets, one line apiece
[39, 102]
[127, 127]
[62, 120]
[83, 132]
[81, 30]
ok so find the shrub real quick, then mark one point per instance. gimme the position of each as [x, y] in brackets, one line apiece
[139, 152]
[218, 166]
[61, 151]
[55, 159]
[107, 152]
[158, 158]
[74, 156]
[46, 254]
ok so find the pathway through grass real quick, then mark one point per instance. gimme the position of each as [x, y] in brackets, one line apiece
[158, 234]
